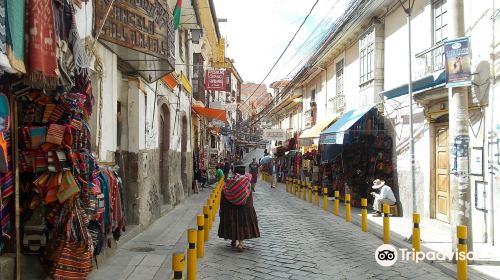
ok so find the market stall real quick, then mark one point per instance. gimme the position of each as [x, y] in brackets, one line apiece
[357, 151]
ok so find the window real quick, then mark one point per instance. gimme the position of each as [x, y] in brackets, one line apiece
[439, 21]
[340, 77]
[366, 56]
[331, 105]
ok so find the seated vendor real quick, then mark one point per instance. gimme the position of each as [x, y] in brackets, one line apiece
[386, 196]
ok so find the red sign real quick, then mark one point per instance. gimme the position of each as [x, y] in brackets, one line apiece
[215, 79]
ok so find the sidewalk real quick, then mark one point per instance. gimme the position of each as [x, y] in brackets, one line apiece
[149, 254]
[435, 236]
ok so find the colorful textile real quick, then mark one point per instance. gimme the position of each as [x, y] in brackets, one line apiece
[38, 136]
[177, 14]
[14, 24]
[4, 60]
[237, 190]
[42, 61]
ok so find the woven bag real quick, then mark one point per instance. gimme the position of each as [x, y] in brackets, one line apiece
[237, 190]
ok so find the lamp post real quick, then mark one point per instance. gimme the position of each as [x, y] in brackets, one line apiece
[410, 93]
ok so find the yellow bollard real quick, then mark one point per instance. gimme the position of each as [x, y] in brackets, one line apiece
[178, 265]
[325, 199]
[213, 213]
[299, 189]
[462, 253]
[364, 221]
[387, 226]
[309, 189]
[304, 190]
[316, 195]
[206, 221]
[200, 238]
[348, 207]
[191, 253]
[336, 203]
[210, 207]
[416, 232]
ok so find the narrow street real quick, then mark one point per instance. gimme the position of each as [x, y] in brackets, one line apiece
[300, 241]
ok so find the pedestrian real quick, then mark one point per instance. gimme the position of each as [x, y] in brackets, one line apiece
[265, 152]
[386, 196]
[254, 171]
[273, 172]
[227, 167]
[238, 219]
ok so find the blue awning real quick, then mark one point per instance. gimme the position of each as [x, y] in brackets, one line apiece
[335, 133]
[425, 83]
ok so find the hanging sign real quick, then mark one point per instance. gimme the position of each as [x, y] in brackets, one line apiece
[215, 79]
[334, 138]
[274, 134]
[217, 123]
[458, 60]
[139, 32]
[231, 107]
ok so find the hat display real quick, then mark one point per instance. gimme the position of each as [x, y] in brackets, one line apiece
[377, 184]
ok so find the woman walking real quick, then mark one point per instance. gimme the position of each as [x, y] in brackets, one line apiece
[238, 220]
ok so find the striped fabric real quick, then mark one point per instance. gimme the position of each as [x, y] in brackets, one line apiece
[237, 190]
[55, 134]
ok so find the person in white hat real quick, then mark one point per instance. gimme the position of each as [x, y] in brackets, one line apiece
[386, 196]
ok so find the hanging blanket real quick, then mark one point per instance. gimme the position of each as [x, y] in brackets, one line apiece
[237, 189]
[14, 29]
[4, 60]
[42, 61]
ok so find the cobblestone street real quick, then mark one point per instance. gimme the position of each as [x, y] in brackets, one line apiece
[300, 241]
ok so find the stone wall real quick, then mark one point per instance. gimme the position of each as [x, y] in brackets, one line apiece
[144, 193]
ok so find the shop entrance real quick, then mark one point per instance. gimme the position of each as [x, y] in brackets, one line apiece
[442, 174]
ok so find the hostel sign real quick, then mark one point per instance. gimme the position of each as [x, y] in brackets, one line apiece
[215, 79]
[141, 33]
[457, 56]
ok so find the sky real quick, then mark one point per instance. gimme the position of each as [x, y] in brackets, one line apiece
[257, 31]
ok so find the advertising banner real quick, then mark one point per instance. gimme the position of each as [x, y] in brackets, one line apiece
[215, 79]
[274, 134]
[457, 57]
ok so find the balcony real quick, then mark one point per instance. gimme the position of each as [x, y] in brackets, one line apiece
[429, 61]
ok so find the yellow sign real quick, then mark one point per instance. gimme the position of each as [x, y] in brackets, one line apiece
[186, 84]
[222, 50]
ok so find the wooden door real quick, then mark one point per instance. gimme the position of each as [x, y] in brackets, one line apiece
[442, 174]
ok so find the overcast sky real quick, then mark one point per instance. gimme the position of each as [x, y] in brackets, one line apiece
[257, 31]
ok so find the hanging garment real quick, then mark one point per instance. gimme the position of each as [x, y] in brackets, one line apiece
[4, 126]
[4, 60]
[42, 61]
[14, 29]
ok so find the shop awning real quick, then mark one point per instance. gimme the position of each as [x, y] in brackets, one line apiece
[314, 131]
[426, 83]
[335, 133]
[210, 113]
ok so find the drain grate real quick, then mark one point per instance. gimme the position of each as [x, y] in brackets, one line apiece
[142, 249]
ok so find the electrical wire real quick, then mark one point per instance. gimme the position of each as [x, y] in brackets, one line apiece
[283, 52]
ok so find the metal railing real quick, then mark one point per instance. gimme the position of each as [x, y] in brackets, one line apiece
[429, 61]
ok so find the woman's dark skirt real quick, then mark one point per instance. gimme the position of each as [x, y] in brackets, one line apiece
[238, 222]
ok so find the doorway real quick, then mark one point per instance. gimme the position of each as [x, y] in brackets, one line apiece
[442, 174]
[184, 154]
[164, 153]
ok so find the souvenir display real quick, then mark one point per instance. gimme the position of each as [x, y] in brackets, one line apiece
[71, 208]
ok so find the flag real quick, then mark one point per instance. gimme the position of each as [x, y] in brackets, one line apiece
[177, 14]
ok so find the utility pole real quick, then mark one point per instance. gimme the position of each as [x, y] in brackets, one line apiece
[459, 138]
[410, 93]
